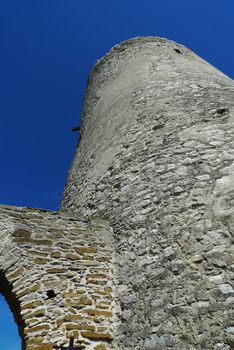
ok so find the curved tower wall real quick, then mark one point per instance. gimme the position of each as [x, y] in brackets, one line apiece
[156, 157]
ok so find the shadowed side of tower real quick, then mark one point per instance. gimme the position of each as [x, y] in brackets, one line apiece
[156, 157]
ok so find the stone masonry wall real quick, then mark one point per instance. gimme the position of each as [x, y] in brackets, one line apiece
[56, 272]
[156, 157]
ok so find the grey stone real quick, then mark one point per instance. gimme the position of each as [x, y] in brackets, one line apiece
[226, 289]
[161, 134]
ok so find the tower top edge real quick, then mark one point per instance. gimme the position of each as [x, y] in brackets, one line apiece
[141, 40]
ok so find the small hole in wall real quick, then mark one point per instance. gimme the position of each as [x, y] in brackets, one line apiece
[178, 51]
[222, 111]
[51, 294]
[156, 127]
[90, 205]
[231, 344]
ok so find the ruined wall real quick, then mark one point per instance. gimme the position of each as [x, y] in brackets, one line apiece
[57, 274]
[156, 157]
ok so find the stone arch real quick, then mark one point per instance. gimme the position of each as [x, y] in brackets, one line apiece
[57, 273]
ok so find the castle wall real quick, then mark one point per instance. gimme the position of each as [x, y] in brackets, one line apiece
[156, 158]
[57, 275]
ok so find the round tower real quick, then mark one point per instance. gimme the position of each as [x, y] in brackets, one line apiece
[156, 158]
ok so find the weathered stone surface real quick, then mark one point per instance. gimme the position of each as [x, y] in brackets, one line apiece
[48, 289]
[156, 158]
[41, 347]
[100, 347]
[97, 336]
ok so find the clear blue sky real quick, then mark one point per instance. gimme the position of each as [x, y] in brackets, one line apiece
[47, 50]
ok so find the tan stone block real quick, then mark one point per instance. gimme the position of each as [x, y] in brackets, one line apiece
[31, 321]
[88, 257]
[103, 292]
[33, 241]
[85, 301]
[100, 347]
[35, 340]
[37, 328]
[55, 270]
[57, 312]
[94, 312]
[73, 318]
[31, 305]
[65, 246]
[28, 290]
[87, 327]
[40, 261]
[75, 294]
[58, 323]
[55, 232]
[103, 259]
[103, 307]
[98, 282]
[41, 347]
[21, 233]
[14, 275]
[37, 313]
[72, 257]
[20, 282]
[56, 255]
[71, 326]
[102, 329]
[97, 336]
[97, 320]
[86, 250]
[37, 253]
[39, 235]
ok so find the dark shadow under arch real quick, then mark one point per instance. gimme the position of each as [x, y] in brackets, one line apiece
[6, 291]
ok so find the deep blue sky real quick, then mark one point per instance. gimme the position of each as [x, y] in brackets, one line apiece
[9, 339]
[47, 50]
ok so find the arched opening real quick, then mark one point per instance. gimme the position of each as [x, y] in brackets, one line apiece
[11, 338]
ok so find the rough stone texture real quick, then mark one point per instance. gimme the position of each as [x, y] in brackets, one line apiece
[56, 273]
[156, 158]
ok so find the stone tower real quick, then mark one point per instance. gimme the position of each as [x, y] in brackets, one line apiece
[141, 254]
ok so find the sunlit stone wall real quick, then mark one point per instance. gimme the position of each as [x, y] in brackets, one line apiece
[156, 157]
[57, 270]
